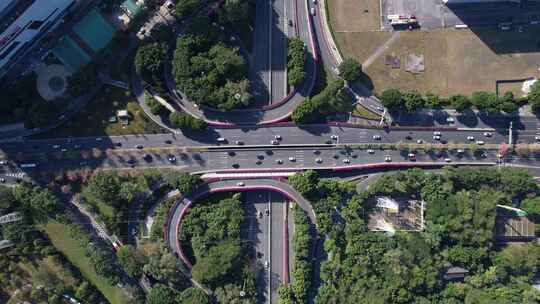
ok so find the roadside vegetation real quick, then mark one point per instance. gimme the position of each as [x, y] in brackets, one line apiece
[488, 102]
[298, 290]
[210, 236]
[296, 61]
[186, 122]
[333, 99]
[373, 267]
[350, 70]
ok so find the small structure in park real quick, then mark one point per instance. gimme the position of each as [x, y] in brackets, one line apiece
[454, 273]
[392, 215]
[123, 116]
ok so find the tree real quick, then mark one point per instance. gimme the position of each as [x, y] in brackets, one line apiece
[234, 11]
[7, 200]
[155, 106]
[520, 260]
[187, 122]
[304, 182]
[508, 104]
[391, 98]
[183, 181]
[306, 112]
[161, 294]
[185, 8]
[412, 100]
[460, 102]
[104, 186]
[230, 294]
[350, 69]
[149, 61]
[193, 295]
[218, 262]
[485, 101]
[296, 59]
[130, 260]
[432, 100]
[534, 97]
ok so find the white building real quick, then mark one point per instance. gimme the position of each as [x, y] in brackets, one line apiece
[25, 22]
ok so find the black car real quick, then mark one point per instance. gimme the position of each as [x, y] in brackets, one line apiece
[231, 153]
[316, 152]
[131, 162]
[260, 156]
[236, 166]
[118, 144]
[336, 156]
[408, 137]
[269, 152]
[258, 163]
[168, 141]
[139, 146]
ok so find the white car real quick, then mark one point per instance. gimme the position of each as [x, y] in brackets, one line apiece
[334, 137]
[277, 136]
[388, 158]
[266, 264]
[291, 158]
[318, 160]
[56, 146]
[437, 137]
[479, 142]
[346, 160]
[460, 151]
[450, 120]
[313, 11]
[448, 160]
[371, 151]
[240, 184]
[3, 162]
[488, 134]
[419, 141]
[279, 161]
[274, 142]
[221, 139]
[376, 137]
[437, 133]
[537, 138]
[471, 138]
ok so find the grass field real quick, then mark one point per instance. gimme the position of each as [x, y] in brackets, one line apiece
[354, 15]
[94, 118]
[71, 249]
[456, 61]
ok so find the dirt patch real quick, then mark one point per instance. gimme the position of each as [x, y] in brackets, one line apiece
[354, 15]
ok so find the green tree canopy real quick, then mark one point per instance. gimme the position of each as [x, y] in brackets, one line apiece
[161, 294]
[460, 102]
[193, 295]
[350, 69]
[392, 98]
